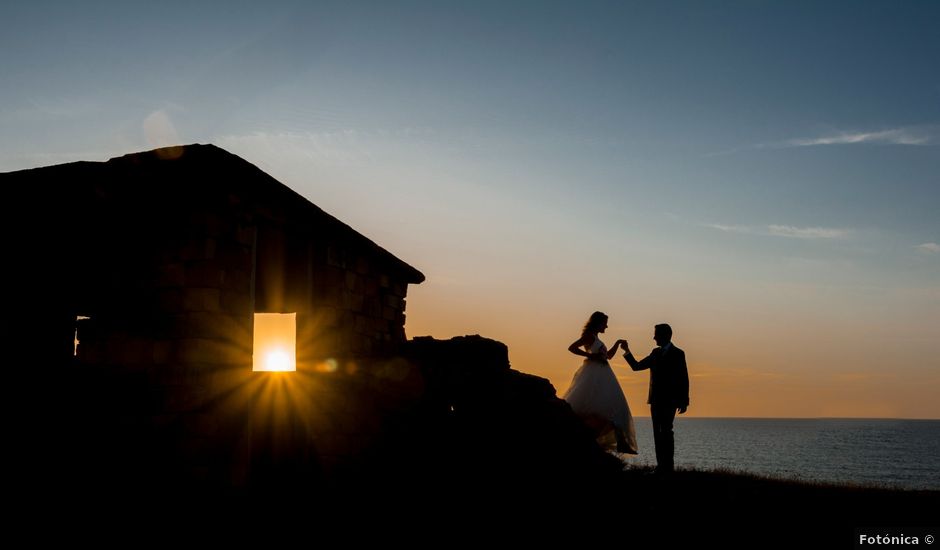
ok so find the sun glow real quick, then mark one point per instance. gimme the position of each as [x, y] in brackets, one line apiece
[275, 342]
[277, 360]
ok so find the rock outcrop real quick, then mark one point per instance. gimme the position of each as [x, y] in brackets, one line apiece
[482, 427]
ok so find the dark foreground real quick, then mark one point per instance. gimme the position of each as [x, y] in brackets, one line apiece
[740, 510]
[689, 509]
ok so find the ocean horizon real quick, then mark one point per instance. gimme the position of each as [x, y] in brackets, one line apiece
[884, 452]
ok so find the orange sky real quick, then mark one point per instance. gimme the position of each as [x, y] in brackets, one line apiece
[767, 364]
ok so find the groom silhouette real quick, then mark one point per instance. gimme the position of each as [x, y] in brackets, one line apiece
[669, 391]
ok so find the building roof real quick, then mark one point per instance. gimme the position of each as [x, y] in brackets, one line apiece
[201, 170]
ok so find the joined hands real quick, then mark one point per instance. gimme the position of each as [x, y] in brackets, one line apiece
[623, 345]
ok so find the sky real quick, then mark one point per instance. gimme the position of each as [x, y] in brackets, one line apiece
[764, 176]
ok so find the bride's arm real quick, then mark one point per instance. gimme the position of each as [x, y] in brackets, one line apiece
[613, 351]
[582, 342]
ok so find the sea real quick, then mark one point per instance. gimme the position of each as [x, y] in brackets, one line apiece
[871, 452]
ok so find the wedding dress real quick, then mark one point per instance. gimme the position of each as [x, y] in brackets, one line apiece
[595, 395]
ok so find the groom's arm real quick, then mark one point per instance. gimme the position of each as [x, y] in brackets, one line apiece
[683, 379]
[642, 364]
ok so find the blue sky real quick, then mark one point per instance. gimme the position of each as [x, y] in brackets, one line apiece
[768, 164]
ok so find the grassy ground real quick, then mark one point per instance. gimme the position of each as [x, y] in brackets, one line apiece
[722, 504]
[689, 509]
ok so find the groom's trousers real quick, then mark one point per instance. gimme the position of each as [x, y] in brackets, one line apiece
[663, 417]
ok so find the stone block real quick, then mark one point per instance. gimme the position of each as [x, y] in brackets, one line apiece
[326, 316]
[235, 303]
[213, 224]
[224, 377]
[333, 297]
[232, 254]
[352, 281]
[204, 274]
[201, 350]
[206, 324]
[334, 277]
[362, 265]
[362, 324]
[201, 299]
[182, 398]
[347, 317]
[373, 306]
[236, 279]
[188, 375]
[370, 286]
[384, 281]
[336, 256]
[233, 353]
[354, 302]
[245, 235]
[198, 249]
[393, 301]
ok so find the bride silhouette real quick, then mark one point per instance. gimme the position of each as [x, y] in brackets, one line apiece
[595, 394]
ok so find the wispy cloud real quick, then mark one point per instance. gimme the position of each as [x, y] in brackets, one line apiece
[897, 136]
[808, 232]
[929, 248]
[732, 228]
[788, 231]
[914, 136]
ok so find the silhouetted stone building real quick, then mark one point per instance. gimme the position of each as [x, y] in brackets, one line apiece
[132, 290]
[158, 261]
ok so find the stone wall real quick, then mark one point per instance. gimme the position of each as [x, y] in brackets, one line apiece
[187, 353]
[359, 304]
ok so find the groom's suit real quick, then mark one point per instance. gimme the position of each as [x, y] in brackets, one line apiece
[669, 390]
